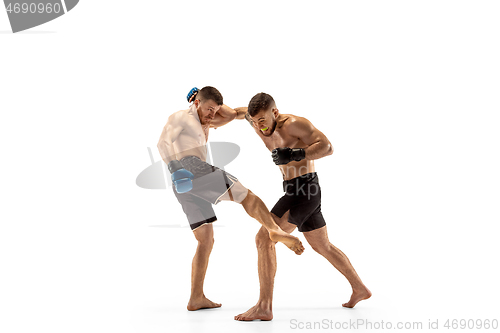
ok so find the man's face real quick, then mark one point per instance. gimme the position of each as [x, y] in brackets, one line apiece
[265, 121]
[206, 110]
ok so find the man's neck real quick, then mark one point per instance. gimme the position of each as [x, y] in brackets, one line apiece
[194, 112]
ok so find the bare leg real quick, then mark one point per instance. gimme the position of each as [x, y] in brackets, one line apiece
[205, 237]
[263, 310]
[318, 239]
[257, 209]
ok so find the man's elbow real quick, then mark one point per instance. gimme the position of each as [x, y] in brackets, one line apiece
[330, 149]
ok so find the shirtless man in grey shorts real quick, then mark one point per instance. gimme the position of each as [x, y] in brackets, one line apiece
[198, 185]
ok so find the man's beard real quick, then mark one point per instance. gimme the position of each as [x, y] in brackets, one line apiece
[206, 121]
[272, 130]
[203, 120]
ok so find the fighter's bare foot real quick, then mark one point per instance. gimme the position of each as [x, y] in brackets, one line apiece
[255, 313]
[292, 242]
[201, 303]
[358, 295]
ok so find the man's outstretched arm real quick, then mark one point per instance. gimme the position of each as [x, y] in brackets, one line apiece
[226, 115]
[241, 112]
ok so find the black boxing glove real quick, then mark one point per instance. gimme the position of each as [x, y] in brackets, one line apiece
[286, 155]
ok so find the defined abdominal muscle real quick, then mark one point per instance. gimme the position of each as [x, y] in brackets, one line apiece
[190, 148]
[296, 169]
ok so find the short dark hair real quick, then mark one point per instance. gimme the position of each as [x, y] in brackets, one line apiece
[208, 92]
[261, 101]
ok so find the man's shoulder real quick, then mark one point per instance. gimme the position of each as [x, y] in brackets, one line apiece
[290, 120]
[179, 116]
[180, 113]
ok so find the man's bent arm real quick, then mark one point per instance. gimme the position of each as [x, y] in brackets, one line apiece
[169, 134]
[318, 145]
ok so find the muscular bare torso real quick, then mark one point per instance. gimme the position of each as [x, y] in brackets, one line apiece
[193, 138]
[282, 138]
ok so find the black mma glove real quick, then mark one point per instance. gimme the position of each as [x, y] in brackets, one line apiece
[286, 155]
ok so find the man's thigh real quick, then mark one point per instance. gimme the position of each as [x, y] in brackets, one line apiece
[236, 193]
[283, 223]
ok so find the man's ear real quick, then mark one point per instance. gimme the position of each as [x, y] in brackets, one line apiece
[250, 121]
[276, 112]
[197, 103]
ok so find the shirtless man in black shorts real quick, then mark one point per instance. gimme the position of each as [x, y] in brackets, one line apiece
[198, 185]
[295, 144]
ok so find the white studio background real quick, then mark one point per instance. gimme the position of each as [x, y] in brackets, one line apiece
[407, 92]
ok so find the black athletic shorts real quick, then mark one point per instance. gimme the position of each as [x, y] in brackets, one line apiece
[209, 185]
[303, 199]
